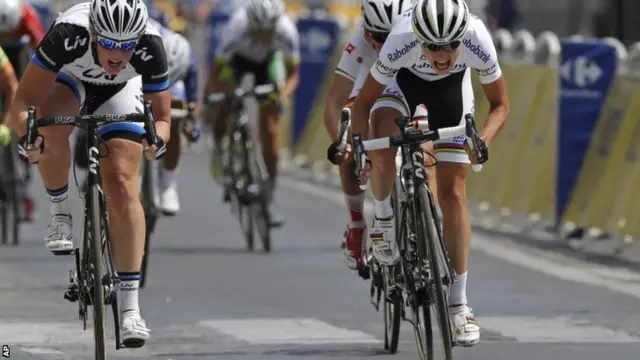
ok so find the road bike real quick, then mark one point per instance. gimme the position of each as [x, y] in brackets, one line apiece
[420, 280]
[13, 180]
[148, 187]
[243, 165]
[95, 280]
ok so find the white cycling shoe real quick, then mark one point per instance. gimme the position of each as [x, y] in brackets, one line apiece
[466, 328]
[170, 202]
[134, 330]
[59, 234]
[383, 240]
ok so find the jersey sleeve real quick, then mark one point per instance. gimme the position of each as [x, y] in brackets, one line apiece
[55, 49]
[291, 51]
[485, 56]
[4, 60]
[232, 30]
[31, 25]
[150, 61]
[383, 70]
[351, 58]
[191, 80]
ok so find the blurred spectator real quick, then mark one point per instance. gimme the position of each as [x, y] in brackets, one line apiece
[503, 14]
[206, 7]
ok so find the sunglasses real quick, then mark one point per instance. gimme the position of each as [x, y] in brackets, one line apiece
[113, 45]
[379, 37]
[438, 47]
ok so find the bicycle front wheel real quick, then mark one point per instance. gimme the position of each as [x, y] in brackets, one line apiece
[438, 291]
[150, 216]
[99, 308]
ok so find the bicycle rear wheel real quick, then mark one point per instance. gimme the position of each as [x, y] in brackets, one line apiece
[98, 301]
[5, 194]
[437, 291]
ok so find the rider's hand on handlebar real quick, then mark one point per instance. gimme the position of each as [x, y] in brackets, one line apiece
[473, 153]
[363, 174]
[340, 154]
[33, 154]
[155, 151]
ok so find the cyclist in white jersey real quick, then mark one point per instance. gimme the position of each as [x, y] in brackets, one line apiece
[428, 60]
[251, 42]
[103, 55]
[360, 53]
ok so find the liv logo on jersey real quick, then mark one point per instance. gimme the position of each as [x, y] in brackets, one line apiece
[476, 50]
[398, 53]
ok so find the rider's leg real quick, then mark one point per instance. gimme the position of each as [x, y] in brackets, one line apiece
[383, 173]
[126, 217]
[452, 168]
[218, 117]
[63, 99]
[270, 72]
[170, 203]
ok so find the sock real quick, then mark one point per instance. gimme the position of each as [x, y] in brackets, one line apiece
[383, 208]
[169, 178]
[458, 291]
[58, 200]
[355, 203]
[129, 282]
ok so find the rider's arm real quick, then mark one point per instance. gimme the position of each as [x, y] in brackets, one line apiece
[293, 78]
[493, 85]
[155, 81]
[335, 100]
[41, 72]
[31, 25]
[291, 54]
[496, 93]
[348, 69]
[223, 52]
[8, 82]
[191, 86]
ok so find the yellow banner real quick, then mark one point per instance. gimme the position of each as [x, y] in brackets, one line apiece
[600, 149]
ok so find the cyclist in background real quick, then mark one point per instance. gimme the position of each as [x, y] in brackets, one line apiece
[361, 52]
[8, 86]
[250, 43]
[427, 58]
[183, 77]
[19, 26]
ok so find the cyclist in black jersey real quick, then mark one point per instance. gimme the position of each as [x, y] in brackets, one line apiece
[104, 56]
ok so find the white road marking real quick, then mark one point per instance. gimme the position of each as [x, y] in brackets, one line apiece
[288, 331]
[591, 274]
[554, 330]
[41, 351]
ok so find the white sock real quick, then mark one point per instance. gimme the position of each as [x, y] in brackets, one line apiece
[58, 200]
[383, 208]
[169, 178]
[458, 291]
[355, 204]
[129, 282]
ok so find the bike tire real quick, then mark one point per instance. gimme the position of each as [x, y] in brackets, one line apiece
[150, 217]
[4, 197]
[438, 291]
[16, 195]
[98, 301]
[392, 315]
[262, 222]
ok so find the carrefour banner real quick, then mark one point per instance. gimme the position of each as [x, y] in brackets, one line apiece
[216, 24]
[319, 38]
[587, 70]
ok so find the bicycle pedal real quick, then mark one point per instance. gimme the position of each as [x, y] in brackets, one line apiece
[64, 252]
[71, 294]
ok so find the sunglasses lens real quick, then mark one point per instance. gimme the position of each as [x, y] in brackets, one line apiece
[128, 46]
[107, 44]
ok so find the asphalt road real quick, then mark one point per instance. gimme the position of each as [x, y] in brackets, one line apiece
[209, 299]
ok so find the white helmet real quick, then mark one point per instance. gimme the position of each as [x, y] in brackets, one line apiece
[10, 14]
[178, 55]
[380, 15]
[440, 21]
[264, 14]
[119, 20]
